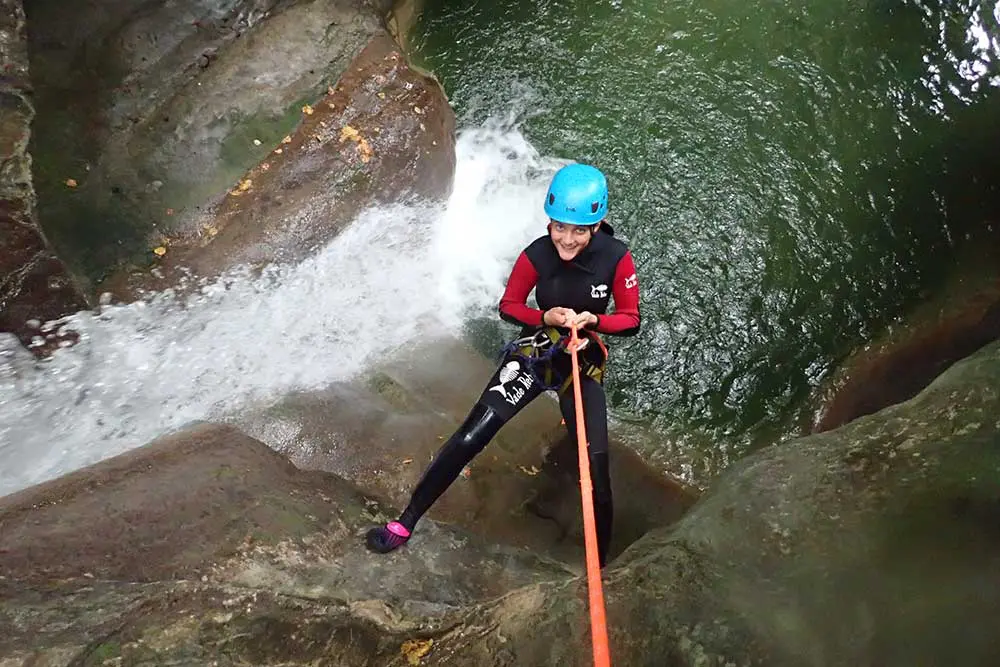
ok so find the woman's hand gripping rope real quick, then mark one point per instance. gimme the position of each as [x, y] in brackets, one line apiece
[567, 317]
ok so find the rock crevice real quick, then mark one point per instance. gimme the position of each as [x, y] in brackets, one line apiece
[35, 285]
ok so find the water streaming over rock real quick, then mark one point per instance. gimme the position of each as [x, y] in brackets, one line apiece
[395, 274]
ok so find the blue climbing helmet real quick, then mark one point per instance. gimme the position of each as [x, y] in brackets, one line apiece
[578, 195]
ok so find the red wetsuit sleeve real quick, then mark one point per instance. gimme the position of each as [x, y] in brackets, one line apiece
[514, 302]
[625, 291]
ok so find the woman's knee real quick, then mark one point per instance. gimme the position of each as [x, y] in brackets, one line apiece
[479, 427]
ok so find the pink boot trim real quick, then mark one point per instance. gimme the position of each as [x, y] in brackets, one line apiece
[396, 528]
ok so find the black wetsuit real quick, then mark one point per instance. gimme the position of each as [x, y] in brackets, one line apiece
[603, 270]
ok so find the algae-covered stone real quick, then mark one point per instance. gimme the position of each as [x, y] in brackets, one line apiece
[360, 145]
[156, 107]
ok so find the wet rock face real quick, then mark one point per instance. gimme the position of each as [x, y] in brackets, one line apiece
[206, 545]
[875, 543]
[34, 285]
[170, 103]
[869, 544]
[383, 134]
[380, 433]
[151, 116]
[205, 502]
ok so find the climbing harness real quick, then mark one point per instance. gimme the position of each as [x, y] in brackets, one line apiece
[539, 350]
[598, 621]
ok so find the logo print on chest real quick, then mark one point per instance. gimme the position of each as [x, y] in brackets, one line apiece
[598, 291]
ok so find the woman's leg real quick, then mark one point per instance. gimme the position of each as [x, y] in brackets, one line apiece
[595, 417]
[510, 389]
[472, 436]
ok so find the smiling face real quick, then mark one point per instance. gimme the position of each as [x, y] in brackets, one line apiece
[570, 240]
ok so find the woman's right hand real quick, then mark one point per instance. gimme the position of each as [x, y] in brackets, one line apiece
[558, 317]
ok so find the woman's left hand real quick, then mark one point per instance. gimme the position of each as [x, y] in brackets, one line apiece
[585, 319]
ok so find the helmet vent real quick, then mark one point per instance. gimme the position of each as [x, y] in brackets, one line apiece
[593, 207]
[552, 199]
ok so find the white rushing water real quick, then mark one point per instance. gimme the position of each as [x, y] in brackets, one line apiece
[146, 368]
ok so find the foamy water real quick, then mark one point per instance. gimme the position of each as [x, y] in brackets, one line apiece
[397, 273]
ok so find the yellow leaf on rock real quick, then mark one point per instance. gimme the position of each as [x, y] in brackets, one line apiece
[287, 139]
[160, 251]
[348, 132]
[71, 183]
[415, 649]
[307, 110]
[243, 186]
[365, 149]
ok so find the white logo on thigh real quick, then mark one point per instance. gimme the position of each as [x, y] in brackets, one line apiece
[511, 374]
[631, 281]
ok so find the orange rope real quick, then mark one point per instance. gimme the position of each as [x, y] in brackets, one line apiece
[598, 623]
